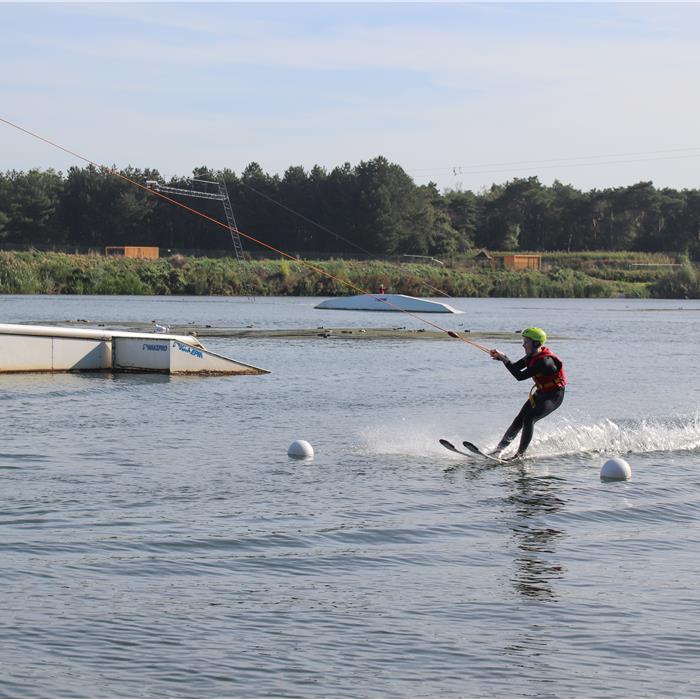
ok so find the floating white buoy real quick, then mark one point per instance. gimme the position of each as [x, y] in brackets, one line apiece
[616, 469]
[300, 449]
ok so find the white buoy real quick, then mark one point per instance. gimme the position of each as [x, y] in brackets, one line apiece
[300, 449]
[616, 469]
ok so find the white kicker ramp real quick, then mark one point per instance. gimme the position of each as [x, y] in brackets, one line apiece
[387, 302]
[25, 348]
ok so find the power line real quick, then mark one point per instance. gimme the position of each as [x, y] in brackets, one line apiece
[571, 161]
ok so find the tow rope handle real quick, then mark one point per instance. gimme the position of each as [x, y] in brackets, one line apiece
[483, 348]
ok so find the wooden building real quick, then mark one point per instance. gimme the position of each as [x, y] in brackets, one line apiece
[133, 251]
[522, 261]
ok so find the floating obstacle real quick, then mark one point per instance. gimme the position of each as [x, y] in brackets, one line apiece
[387, 302]
[25, 348]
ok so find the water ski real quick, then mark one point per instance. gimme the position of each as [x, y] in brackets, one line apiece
[472, 450]
[475, 450]
[447, 444]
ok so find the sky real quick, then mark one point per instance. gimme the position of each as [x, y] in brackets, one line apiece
[464, 95]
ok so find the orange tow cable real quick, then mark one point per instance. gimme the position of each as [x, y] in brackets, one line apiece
[320, 271]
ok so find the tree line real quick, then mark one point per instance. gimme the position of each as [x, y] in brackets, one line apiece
[373, 208]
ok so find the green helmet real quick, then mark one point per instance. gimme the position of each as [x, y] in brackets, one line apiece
[536, 334]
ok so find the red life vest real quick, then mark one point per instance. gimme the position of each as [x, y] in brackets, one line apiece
[548, 382]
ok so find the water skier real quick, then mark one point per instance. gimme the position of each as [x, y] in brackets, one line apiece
[547, 371]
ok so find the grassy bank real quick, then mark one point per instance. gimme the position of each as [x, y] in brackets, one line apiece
[563, 275]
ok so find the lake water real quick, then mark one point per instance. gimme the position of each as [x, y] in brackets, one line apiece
[157, 541]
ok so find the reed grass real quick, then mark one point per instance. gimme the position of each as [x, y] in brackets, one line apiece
[580, 275]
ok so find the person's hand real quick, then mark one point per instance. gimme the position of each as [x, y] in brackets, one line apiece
[498, 355]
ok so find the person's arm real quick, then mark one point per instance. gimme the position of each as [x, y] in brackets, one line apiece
[513, 367]
[520, 370]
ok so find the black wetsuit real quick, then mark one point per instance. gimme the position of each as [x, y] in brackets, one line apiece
[544, 403]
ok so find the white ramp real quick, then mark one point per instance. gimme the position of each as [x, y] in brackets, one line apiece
[25, 348]
[387, 302]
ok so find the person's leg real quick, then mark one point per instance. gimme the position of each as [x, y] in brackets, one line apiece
[513, 429]
[526, 435]
[544, 405]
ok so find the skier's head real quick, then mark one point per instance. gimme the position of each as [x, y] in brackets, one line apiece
[535, 334]
[533, 339]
